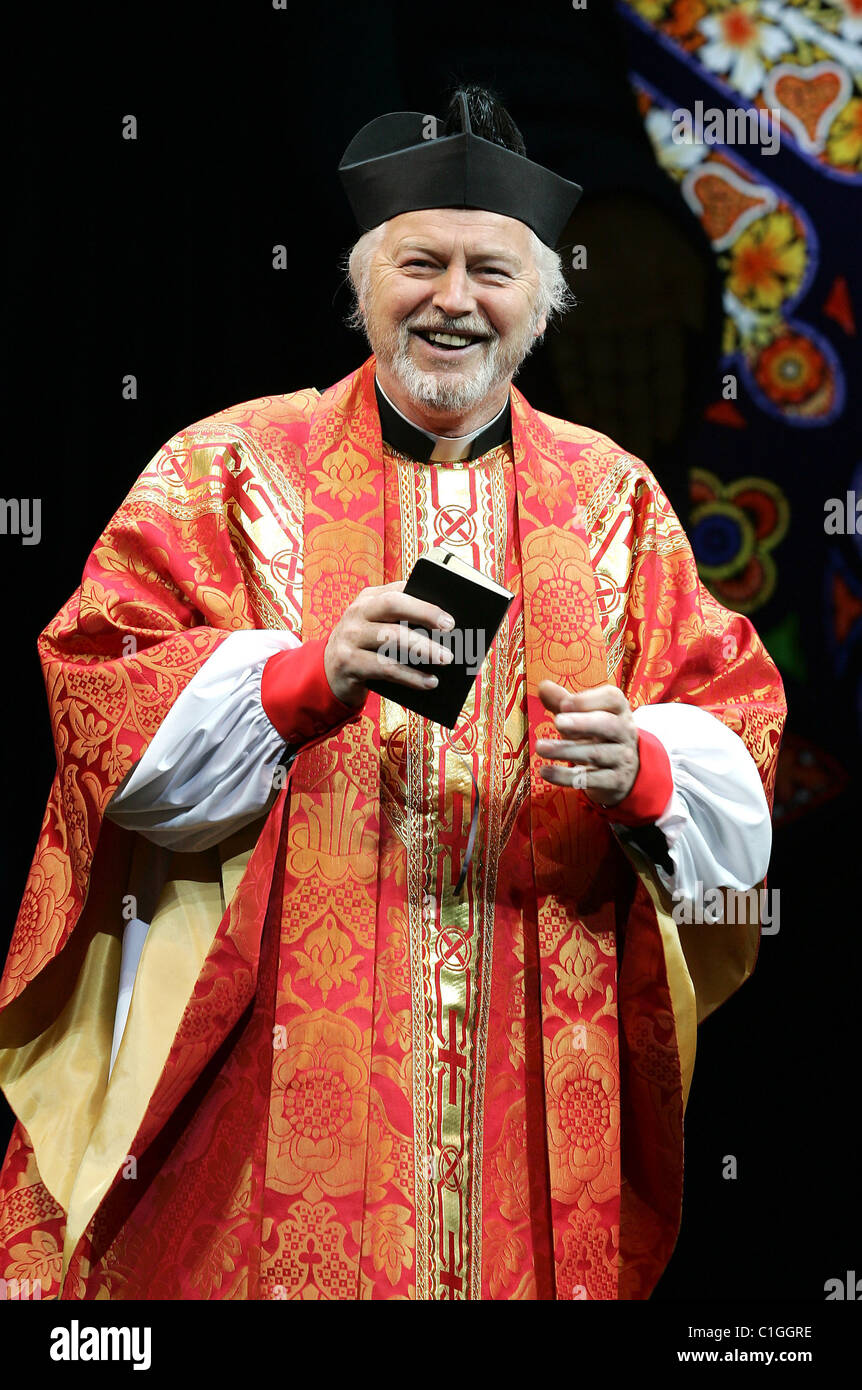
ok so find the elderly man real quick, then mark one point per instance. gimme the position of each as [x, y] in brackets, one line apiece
[311, 996]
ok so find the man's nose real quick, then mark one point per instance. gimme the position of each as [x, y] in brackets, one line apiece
[452, 293]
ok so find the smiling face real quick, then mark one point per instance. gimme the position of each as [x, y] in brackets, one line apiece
[469, 276]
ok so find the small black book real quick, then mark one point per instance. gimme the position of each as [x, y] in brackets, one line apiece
[478, 606]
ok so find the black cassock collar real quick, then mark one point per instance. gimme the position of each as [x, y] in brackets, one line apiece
[421, 444]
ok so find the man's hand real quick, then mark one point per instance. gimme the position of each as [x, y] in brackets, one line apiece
[352, 657]
[598, 742]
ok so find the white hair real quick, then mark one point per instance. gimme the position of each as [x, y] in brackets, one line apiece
[554, 296]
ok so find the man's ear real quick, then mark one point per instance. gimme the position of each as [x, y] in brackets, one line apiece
[541, 326]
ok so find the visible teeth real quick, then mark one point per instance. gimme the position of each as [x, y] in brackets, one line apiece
[450, 339]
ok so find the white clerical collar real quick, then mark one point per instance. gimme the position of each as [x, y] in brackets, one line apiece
[446, 449]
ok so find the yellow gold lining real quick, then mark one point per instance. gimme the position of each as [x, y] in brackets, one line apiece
[705, 963]
[55, 1039]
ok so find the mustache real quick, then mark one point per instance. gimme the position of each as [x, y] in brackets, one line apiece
[480, 330]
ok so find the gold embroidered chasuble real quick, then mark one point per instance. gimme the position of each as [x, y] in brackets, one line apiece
[374, 1087]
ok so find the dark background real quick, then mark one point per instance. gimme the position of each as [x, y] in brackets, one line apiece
[154, 257]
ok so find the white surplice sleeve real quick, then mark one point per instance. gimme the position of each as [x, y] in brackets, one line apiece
[210, 766]
[716, 824]
[207, 772]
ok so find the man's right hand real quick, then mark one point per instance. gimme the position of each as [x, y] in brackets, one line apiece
[352, 656]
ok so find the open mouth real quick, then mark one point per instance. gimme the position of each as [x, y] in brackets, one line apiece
[452, 343]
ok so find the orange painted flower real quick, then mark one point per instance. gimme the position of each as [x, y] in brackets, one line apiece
[684, 17]
[766, 262]
[653, 10]
[844, 144]
[791, 369]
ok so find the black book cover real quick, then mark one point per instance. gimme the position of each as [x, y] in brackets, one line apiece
[478, 606]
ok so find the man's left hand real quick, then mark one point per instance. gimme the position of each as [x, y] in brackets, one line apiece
[598, 741]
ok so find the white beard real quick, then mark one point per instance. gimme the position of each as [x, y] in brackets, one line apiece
[453, 389]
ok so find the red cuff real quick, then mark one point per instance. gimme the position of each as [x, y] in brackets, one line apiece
[653, 786]
[297, 698]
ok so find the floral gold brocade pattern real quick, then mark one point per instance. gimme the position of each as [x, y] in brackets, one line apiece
[343, 1114]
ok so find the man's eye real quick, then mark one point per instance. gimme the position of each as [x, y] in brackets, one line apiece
[421, 263]
[492, 270]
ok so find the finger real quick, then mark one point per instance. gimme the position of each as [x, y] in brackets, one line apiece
[406, 644]
[388, 605]
[554, 697]
[601, 726]
[582, 778]
[373, 667]
[599, 697]
[575, 777]
[597, 755]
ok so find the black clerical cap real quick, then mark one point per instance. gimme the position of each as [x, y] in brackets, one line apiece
[397, 163]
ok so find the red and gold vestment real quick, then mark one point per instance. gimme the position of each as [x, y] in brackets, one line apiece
[340, 1079]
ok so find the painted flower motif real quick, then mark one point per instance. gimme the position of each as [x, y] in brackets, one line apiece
[733, 530]
[850, 23]
[844, 142]
[674, 154]
[684, 17]
[738, 42]
[766, 262]
[319, 1111]
[791, 369]
[583, 1100]
[652, 10]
